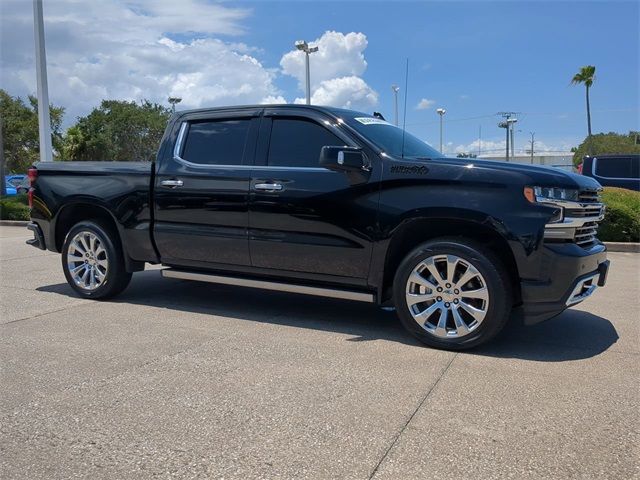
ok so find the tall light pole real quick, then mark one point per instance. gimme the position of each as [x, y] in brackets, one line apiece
[304, 47]
[533, 141]
[173, 101]
[505, 125]
[395, 90]
[441, 112]
[44, 121]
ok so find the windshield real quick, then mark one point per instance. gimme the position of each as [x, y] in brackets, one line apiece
[388, 137]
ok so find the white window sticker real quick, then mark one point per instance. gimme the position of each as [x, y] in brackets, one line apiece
[371, 121]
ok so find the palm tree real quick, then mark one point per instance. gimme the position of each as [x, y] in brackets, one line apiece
[586, 75]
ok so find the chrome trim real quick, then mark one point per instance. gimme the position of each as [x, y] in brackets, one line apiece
[578, 294]
[270, 187]
[172, 183]
[177, 148]
[265, 285]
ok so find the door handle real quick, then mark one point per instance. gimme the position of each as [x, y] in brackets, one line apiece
[172, 183]
[269, 187]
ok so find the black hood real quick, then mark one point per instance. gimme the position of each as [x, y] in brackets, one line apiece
[538, 175]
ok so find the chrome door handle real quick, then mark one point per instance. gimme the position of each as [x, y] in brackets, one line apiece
[172, 183]
[270, 187]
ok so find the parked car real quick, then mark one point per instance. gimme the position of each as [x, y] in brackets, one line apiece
[329, 202]
[16, 184]
[614, 170]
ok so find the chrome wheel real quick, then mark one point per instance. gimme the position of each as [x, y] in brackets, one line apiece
[87, 260]
[447, 296]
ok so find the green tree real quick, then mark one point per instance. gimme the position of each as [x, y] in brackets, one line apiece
[603, 143]
[117, 130]
[20, 131]
[586, 76]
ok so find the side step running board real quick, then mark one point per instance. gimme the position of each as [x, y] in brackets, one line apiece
[266, 285]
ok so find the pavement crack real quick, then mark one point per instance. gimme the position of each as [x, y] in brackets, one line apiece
[404, 427]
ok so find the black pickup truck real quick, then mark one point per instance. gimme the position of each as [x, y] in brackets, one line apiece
[329, 202]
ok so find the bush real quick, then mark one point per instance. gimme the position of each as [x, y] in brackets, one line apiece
[14, 208]
[622, 219]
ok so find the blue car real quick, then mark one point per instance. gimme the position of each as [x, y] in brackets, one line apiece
[16, 184]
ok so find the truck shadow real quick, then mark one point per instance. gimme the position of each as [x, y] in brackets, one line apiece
[572, 335]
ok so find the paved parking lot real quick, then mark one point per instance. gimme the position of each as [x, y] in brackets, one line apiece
[188, 380]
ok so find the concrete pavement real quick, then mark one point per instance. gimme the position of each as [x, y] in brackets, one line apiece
[187, 380]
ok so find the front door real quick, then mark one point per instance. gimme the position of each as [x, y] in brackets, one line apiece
[304, 218]
[202, 188]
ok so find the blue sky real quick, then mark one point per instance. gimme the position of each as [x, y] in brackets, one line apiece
[478, 58]
[472, 58]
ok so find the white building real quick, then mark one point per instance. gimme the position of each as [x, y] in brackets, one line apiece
[563, 160]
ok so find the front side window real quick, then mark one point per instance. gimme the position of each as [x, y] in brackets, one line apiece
[298, 142]
[621, 167]
[219, 142]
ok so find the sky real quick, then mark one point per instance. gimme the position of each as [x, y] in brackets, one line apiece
[472, 58]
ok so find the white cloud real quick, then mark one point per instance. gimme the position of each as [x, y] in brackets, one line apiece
[335, 71]
[425, 104]
[338, 55]
[497, 148]
[133, 50]
[344, 92]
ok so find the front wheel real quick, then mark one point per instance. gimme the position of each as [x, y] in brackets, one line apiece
[452, 293]
[93, 262]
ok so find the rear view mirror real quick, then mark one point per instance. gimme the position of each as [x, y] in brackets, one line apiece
[344, 159]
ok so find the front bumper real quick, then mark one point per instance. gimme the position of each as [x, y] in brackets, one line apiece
[572, 275]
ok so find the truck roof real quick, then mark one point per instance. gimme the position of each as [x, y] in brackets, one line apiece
[292, 106]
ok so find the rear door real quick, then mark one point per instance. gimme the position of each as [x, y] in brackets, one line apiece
[202, 188]
[304, 218]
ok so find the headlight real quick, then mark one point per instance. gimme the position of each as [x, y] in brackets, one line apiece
[550, 194]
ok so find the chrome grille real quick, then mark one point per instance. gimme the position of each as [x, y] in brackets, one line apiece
[586, 235]
[580, 222]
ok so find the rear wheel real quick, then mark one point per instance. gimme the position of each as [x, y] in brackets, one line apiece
[452, 293]
[93, 262]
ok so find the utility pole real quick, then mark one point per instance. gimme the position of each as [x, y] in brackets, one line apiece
[395, 90]
[441, 112]
[505, 125]
[3, 183]
[44, 120]
[303, 46]
[533, 136]
[512, 122]
[479, 140]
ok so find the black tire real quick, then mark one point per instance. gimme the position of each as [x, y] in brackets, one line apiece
[493, 275]
[116, 277]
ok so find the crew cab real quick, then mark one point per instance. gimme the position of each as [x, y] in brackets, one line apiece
[325, 201]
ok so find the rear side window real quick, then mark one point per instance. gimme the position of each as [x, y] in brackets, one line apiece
[219, 142]
[621, 167]
[297, 142]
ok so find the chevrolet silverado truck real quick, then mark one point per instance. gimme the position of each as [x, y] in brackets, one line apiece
[330, 202]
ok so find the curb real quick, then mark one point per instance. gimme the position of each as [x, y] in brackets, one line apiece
[13, 223]
[623, 247]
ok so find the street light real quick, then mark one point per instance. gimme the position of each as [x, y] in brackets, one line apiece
[173, 101]
[44, 120]
[395, 90]
[441, 112]
[303, 46]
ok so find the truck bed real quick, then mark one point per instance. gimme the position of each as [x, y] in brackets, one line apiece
[122, 188]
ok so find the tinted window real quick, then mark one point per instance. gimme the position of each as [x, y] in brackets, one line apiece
[389, 138]
[621, 167]
[216, 142]
[297, 142]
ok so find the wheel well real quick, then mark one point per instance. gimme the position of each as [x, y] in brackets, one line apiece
[421, 230]
[73, 214]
